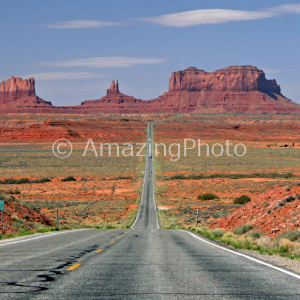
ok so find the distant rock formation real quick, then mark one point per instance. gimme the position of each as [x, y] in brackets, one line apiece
[114, 88]
[15, 88]
[17, 95]
[236, 89]
[236, 78]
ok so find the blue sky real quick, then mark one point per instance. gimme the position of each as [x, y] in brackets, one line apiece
[75, 48]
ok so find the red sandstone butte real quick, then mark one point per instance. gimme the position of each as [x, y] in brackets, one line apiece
[236, 89]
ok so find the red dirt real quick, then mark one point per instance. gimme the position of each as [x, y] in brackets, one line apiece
[104, 128]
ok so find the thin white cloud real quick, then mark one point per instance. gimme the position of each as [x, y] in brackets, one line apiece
[218, 16]
[208, 16]
[64, 75]
[76, 24]
[106, 62]
[287, 8]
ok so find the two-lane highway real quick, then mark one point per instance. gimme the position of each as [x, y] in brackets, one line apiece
[147, 213]
[140, 263]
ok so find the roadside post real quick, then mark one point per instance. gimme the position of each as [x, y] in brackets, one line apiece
[197, 217]
[2, 209]
[57, 218]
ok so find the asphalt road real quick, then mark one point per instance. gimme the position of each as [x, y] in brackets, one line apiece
[147, 214]
[140, 263]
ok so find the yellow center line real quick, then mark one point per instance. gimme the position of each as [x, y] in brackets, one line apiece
[99, 250]
[74, 267]
[112, 242]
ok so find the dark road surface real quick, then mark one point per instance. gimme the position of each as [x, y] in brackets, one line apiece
[140, 263]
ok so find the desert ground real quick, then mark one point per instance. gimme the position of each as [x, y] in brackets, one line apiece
[105, 191]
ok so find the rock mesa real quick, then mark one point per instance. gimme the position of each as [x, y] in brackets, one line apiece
[235, 89]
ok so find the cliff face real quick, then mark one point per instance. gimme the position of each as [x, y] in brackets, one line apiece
[238, 78]
[238, 89]
[15, 88]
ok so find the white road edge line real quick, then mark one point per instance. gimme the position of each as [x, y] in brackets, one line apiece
[40, 237]
[244, 255]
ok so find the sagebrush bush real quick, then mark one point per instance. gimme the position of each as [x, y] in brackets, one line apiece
[293, 235]
[257, 234]
[243, 229]
[242, 199]
[208, 196]
[217, 233]
[289, 199]
[69, 178]
[23, 180]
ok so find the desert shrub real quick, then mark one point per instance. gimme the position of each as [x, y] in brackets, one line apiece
[242, 199]
[69, 178]
[293, 235]
[285, 245]
[23, 180]
[208, 196]
[264, 241]
[178, 176]
[14, 217]
[217, 233]
[288, 189]
[233, 176]
[26, 217]
[289, 199]
[257, 234]
[281, 204]
[298, 196]
[5, 197]
[20, 225]
[31, 206]
[124, 177]
[43, 180]
[269, 211]
[13, 192]
[243, 229]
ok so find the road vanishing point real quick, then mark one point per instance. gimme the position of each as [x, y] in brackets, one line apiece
[144, 262]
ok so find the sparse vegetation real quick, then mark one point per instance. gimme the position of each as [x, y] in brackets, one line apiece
[293, 235]
[256, 241]
[243, 229]
[24, 180]
[289, 199]
[232, 176]
[5, 197]
[69, 178]
[242, 199]
[257, 234]
[217, 233]
[208, 196]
